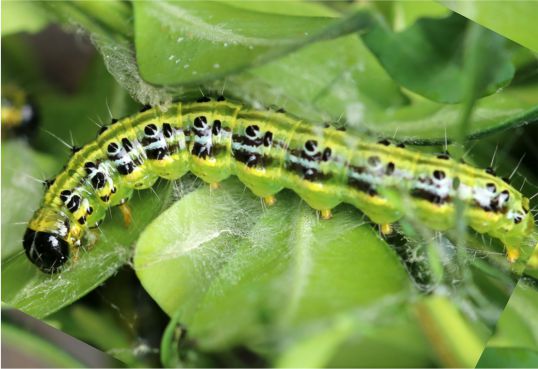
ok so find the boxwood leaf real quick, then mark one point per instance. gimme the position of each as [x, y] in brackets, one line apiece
[428, 57]
[240, 274]
[28, 289]
[516, 22]
[192, 42]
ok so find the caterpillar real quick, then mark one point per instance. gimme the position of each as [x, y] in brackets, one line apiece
[268, 151]
[19, 114]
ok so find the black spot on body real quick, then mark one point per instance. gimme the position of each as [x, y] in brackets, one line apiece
[89, 166]
[102, 129]
[204, 99]
[384, 142]
[98, 180]
[89, 210]
[112, 148]
[127, 145]
[64, 195]
[201, 151]
[217, 126]
[362, 185]
[311, 145]
[200, 122]
[252, 131]
[252, 160]
[506, 180]
[167, 130]
[75, 149]
[220, 98]
[374, 161]
[126, 168]
[426, 195]
[114, 120]
[490, 170]
[400, 145]
[326, 154]
[439, 174]
[491, 187]
[74, 203]
[150, 129]
[82, 220]
[390, 168]
[268, 138]
[49, 182]
[145, 108]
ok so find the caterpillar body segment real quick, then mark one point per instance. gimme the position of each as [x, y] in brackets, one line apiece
[267, 151]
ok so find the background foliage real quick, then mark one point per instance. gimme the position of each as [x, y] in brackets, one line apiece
[212, 278]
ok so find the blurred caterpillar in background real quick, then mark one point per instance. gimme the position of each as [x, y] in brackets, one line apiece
[268, 151]
[20, 116]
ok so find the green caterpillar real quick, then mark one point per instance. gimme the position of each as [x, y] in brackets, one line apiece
[267, 151]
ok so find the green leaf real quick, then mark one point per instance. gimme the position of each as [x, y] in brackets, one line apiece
[241, 274]
[22, 169]
[408, 12]
[427, 122]
[508, 357]
[191, 42]
[312, 83]
[99, 328]
[110, 20]
[28, 289]
[22, 16]
[427, 57]
[516, 20]
[517, 326]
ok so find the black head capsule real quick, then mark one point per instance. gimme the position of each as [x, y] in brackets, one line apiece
[46, 250]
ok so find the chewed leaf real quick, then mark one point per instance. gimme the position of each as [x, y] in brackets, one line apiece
[239, 273]
[192, 42]
[28, 289]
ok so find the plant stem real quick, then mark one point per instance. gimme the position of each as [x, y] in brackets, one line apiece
[452, 338]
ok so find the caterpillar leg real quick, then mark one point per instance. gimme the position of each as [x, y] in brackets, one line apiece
[512, 254]
[386, 229]
[214, 185]
[269, 200]
[126, 214]
[76, 254]
[326, 214]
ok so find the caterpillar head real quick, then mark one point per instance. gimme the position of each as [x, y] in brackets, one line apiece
[46, 241]
[46, 250]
